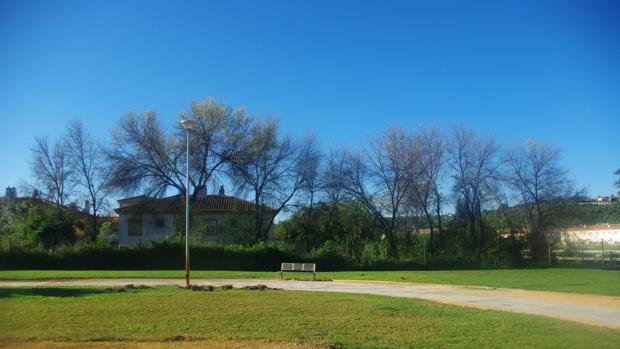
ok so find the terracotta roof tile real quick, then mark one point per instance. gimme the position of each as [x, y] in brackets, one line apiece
[176, 204]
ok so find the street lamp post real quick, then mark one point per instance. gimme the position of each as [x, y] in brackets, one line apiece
[187, 125]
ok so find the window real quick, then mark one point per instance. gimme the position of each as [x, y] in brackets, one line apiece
[160, 222]
[135, 226]
[210, 226]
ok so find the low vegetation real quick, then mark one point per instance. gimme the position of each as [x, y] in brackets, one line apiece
[341, 320]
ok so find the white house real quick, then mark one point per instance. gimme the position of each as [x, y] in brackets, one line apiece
[218, 218]
[609, 233]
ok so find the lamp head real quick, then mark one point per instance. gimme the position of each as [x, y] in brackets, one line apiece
[187, 124]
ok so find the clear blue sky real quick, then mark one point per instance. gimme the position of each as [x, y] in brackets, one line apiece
[548, 70]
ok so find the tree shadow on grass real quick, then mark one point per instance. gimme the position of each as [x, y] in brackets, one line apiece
[48, 292]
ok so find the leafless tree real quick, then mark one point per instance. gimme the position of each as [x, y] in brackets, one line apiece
[89, 172]
[145, 157]
[426, 170]
[273, 170]
[313, 183]
[332, 180]
[51, 168]
[542, 185]
[220, 133]
[474, 165]
[380, 179]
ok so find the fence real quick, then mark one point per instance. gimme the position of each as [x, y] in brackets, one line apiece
[604, 257]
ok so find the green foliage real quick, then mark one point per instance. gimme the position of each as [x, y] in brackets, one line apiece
[347, 224]
[34, 225]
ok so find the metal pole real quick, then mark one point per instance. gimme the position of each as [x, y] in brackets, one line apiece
[603, 253]
[187, 213]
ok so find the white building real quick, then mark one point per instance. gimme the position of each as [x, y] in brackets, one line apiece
[218, 218]
[609, 233]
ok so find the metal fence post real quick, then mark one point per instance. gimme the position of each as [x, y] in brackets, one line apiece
[603, 253]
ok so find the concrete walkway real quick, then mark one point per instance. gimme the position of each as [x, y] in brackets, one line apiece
[589, 309]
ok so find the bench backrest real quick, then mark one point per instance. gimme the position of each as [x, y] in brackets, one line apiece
[298, 267]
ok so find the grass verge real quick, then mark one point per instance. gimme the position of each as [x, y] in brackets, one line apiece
[345, 320]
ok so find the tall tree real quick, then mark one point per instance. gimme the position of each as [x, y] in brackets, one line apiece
[313, 183]
[144, 156]
[542, 185]
[89, 172]
[380, 178]
[428, 166]
[474, 167]
[433, 151]
[52, 170]
[220, 133]
[273, 169]
[332, 180]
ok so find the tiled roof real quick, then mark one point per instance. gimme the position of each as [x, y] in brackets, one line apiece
[176, 204]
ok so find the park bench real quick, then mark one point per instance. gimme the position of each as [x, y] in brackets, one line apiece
[298, 267]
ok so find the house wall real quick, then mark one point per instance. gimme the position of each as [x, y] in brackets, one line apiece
[150, 232]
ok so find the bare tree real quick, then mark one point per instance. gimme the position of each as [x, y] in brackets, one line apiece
[332, 180]
[51, 168]
[474, 165]
[89, 172]
[426, 169]
[273, 169]
[313, 182]
[145, 157]
[543, 186]
[220, 133]
[380, 178]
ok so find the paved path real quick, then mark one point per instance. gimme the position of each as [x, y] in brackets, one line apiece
[589, 309]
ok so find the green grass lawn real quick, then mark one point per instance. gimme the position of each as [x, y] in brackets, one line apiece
[348, 320]
[593, 281]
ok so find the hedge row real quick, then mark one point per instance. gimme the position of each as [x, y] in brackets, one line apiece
[170, 256]
[161, 257]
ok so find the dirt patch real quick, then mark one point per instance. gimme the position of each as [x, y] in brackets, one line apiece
[210, 344]
[258, 288]
[207, 288]
[319, 279]
[129, 287]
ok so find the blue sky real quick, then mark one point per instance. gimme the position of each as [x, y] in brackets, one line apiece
[548, 70]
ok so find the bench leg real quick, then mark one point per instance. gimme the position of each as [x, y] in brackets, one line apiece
[314, 275]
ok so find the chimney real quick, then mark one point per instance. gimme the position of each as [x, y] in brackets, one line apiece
[222, 191]
[11, 193]
[87, 206]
